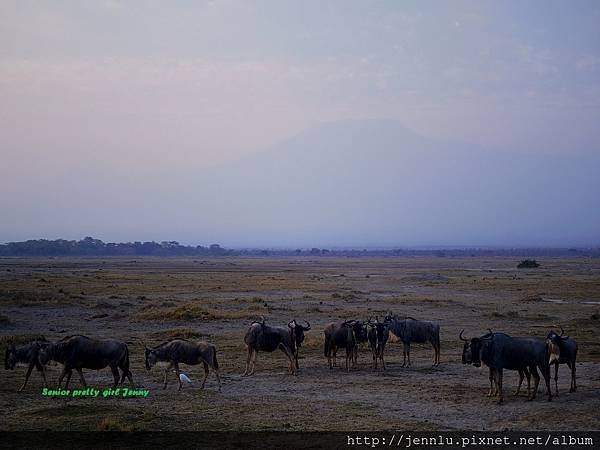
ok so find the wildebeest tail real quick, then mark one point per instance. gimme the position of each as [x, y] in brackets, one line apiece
[327, 345]
[125, 364]
[215, 363]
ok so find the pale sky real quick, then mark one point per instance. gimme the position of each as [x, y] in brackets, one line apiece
[100, 99]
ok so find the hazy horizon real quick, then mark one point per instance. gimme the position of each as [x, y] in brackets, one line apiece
[283, 125]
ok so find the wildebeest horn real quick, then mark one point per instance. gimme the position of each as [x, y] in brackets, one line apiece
[460, 336]
[307, 327]
[561, 331]
[261, 322]
[490, 330]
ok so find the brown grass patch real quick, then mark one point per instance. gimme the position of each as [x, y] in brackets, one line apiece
[112, 424]
[190, 311]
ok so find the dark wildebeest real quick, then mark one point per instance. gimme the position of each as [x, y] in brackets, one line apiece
[378, 336]
[563, 350]
[182, 351]
[500, 351]
[493, 392]
[265, 338]
[26, 354]
[412, 330]
[345, 335]
[81, 352]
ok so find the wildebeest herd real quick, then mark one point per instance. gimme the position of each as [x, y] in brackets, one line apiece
[497, 351]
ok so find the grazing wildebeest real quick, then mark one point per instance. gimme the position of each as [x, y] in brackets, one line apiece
[26, 354]
[378, 335]
[81, 352]
[345, 335]
[182, 351]
[412, 330]
[563, 351]
[266, 338]
[500, 351]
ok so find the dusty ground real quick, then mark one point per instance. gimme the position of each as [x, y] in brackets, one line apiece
[150, 300]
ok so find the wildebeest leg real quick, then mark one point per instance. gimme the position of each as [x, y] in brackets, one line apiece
[126, 373]
[116, 376]
[556, 379]
[499, 382]
[42, 369]
[348, 356]
[382, 360]
[61, 376]
[129, 377]
[248, 358]
[253, 361]
[80, 373]
[68, 373]
[528, 375]
[334, 356]
[408, 354]
[290, 356]
[536, 381]
[354, 355]
[491, 378]
[547, 378]
[521, 378]
[166, 373]
[573, 378]
[205, 374]
[296, 359]
[176, 365]
[29, 369]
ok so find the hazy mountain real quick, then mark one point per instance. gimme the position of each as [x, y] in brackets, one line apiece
[375, 182]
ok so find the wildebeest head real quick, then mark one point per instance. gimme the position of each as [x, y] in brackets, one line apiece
[44, 354]
[298, 331]
[10, 357]
[553, 341]
[151, 358]
[360, 331]
[472, 348]
[379, 328]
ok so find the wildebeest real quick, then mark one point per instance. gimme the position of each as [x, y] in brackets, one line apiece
[563, 351]
[26, 354]
[182, 351]
[81, 352]
[378, 336]
[412, 330]
[266, 338]
[493, 392]
[345, 335]
[500, 351]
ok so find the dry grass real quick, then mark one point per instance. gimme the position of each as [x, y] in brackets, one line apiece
[112, 424]
[192, 311]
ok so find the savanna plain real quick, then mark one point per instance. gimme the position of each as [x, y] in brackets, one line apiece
[146, 301]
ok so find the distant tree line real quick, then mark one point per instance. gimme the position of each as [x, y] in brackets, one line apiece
[95, 247]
